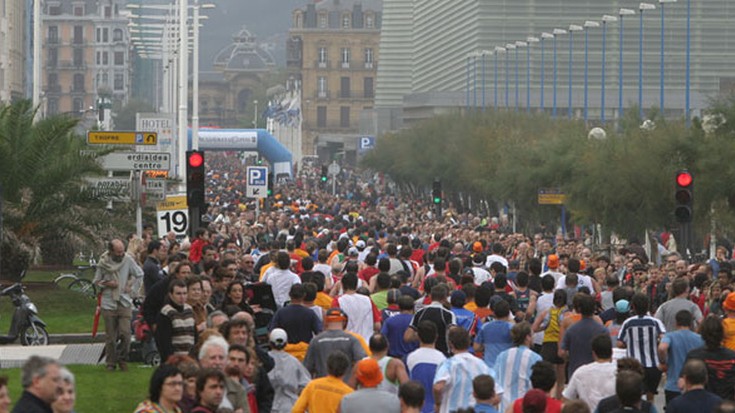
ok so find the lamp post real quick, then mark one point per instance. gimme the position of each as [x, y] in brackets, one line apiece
[642, 7]
[587, 26]
[498, 50]
[544, 36]
[572, 28]
[508, 46]
[621, 13]
[688, 73]
[557, 32]
[484, 53]
[519, 44]
[475, 55]
[37, 40]
[195, 74]
[530, 40]
[467, 99]
[661, 97]
[605, 19]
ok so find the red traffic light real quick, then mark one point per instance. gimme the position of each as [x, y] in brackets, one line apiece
[684, 178]
[196, 159]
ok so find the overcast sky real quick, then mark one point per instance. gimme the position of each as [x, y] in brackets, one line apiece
[267, 19]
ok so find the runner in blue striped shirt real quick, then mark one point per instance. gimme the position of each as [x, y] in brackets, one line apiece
[453, 379]
[640, 335]
[514, 365]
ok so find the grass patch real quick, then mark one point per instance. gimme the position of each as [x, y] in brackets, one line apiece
[99, 390]
[64, 311]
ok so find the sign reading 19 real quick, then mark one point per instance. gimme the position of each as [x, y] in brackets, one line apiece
[176, 221]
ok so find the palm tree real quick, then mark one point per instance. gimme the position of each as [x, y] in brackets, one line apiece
[43, 166]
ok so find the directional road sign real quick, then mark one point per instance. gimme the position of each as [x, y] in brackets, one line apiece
[110, 189]
[121, 138]
[551, 196]
[257, 185]
[136, 161]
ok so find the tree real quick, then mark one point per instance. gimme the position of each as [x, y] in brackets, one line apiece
[42, 178]
[124, 116]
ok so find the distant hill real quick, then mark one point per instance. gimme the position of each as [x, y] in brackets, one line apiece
[269, 20]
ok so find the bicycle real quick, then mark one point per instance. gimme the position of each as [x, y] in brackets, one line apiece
[77, 282]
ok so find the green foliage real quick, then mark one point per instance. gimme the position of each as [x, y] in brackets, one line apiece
[624, 182]
[42, 176]
[124, 116]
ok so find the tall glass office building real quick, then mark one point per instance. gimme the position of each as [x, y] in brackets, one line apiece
[443, 33]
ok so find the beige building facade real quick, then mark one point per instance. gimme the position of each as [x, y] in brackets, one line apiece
[12, 49]
[333, 50]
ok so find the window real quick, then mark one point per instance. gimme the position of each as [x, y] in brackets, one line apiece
[367, 87]
[321, 85]
[108, 12]
[105, 59]
[119, 82]
[54, 9]
[78, 35]
[119, 58]
[321, 116]
[78, 105]
[299, 20]
[323, 21]
[346, 21]
[78, 82]
[322, 56]
[117, 35]
[53, 81]
[105, 79]
[79, 10]
[345, 57]
[98, 58]
[53, 106]
[344, 87]
[344, 116]
[98, 37]
[105, 35]
[52, 57]
[369, 23]
[368, 58]
[53, 34]
[78, 57]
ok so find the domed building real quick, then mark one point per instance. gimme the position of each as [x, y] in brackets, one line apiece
[226, 93]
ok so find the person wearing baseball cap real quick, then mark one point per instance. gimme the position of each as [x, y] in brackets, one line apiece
[368, 398]
[332, 339]
[288, 375]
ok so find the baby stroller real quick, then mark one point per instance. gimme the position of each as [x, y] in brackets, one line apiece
[142, 344]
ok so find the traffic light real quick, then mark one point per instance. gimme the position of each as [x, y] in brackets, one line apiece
[684, 196]
[270, 184]
[324, 176]
[195, 179]
[436, 192]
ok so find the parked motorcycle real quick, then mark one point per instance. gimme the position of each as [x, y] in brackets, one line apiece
[25, 322]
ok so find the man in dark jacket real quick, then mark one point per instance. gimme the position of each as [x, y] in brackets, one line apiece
[41, 380]
[152, 272]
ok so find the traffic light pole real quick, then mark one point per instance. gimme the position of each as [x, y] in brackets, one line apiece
[195, 220]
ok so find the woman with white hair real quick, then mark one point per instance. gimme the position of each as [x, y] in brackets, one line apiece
[65, 402]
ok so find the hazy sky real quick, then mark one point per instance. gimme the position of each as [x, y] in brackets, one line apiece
[267, 19]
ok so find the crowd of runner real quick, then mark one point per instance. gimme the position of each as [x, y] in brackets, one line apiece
[368, 301]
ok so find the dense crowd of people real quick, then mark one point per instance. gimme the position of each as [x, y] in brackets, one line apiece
[369, 301]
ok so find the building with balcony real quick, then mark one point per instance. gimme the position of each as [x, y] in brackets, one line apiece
[13, 23]
[85, 55]
[332, 51]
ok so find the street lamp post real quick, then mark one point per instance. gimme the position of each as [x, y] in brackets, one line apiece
[587, 26]
[557, 32]
[508, 46]
[605, 19]
[642, 7]
[467, 98]
[572, 28]
[484, 53]
[498, 50]
[621, 13]
[519, 44]
[544, 36]
[687, 80]
[661, 97]
[530, 40]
